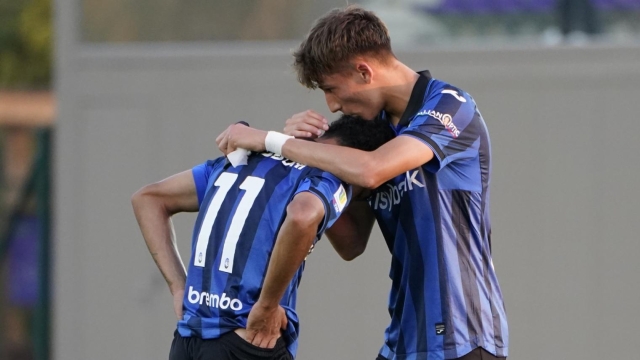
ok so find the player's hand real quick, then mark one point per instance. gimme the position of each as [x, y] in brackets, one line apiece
[264, 325]
[178, 296]
[241, 136]
[307, 124]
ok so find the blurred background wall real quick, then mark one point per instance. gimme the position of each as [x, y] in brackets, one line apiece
[143, 88]
[565, 230]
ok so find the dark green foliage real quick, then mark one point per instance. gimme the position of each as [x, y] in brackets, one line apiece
[25, 43]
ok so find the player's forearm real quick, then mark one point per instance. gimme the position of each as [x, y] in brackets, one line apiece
[350, 234]
[294, 240]
[366, 169]
[157, 229]
[350, 165]
[288, 254]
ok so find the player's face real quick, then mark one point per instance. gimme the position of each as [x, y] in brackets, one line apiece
[352, 94]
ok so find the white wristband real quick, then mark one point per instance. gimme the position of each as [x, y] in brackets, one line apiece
[274, 141]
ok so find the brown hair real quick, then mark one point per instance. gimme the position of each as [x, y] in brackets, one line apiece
[335, 39]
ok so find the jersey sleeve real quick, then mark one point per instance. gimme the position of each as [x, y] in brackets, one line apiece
[201, 174]
[449, 124]
[334, 194]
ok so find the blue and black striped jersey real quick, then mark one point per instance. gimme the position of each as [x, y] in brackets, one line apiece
[445, 298]
[241, 211]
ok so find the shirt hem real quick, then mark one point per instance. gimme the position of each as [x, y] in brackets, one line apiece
[445, 354]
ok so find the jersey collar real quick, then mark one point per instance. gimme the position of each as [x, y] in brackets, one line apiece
[417, 98]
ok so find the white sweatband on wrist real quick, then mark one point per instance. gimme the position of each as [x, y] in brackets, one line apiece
[274, 141]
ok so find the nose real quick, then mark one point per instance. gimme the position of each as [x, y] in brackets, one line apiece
[332, 103]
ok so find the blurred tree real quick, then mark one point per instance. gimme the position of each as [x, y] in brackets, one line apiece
[25, 43]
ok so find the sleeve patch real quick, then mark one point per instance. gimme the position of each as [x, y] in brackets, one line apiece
[340, 199]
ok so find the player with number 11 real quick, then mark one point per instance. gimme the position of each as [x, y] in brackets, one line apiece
[256, 224]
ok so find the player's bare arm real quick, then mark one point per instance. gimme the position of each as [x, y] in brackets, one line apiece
[299, 230]
[153, 205]
[349, 235]
[362, 168]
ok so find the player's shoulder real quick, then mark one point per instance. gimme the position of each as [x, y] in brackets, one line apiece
[442, 98]
[219, 161]
[446, 92]
[208, 166]
[336, 190]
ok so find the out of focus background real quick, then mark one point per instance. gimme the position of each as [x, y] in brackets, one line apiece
[98, 98]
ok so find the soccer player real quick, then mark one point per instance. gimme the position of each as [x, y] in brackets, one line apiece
[256, 224]
[433, 202]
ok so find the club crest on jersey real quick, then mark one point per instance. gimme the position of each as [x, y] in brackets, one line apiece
[445, 119]
[340, 199]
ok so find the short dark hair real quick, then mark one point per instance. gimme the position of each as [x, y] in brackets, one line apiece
[335, 39]
[358, 133]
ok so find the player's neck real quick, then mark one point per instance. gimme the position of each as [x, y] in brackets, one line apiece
[400, 80]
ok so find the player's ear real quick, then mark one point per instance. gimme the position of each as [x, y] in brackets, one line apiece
[364, 72]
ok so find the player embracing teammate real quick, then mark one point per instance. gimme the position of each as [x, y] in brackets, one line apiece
[432, 181]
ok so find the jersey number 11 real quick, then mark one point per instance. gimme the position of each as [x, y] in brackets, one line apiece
[252, 186]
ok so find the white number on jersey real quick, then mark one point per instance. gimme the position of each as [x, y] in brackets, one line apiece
[252, 186]
[454, 94]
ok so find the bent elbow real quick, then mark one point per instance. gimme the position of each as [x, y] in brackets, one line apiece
[137, 197]
[303, 215]
[371, 175]
[351, 254]
[141, 196]
[349, 249]
[370, 182]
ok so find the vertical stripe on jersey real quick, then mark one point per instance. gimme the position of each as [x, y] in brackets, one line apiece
[485, 168]
[461, 219]
[389, 230]
[449, 341]
[397, 316]
[413, 259]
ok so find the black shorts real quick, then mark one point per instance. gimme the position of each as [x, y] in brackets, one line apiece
[475, 354]
[229, 346]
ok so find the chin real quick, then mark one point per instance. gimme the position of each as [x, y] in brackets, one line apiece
[369, 117]
[359, 114]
